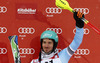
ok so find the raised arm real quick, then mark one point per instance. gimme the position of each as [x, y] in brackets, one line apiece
[66, 53]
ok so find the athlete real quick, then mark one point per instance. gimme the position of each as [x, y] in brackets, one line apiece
[49, 41]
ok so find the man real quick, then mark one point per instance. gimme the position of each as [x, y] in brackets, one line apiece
[49, 41]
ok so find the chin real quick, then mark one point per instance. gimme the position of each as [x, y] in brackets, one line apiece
[46, 51]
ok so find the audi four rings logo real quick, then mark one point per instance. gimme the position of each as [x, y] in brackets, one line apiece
[3, 50]
[3, 29]
[26, 51]
[24, 30]
[82, 52]
[57, 30]
[82, 10]
[53, 10]
[86, 31]
[3, 9]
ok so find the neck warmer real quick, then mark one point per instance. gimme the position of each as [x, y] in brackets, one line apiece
[47, 56]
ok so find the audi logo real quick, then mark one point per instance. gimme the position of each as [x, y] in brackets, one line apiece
[86, 31]
[56, 30]
[3, 29]
[82, 52]
[26, 30]
[26, 51]
[3, 50]
[53, 10]
[3, 9]
[82, 10]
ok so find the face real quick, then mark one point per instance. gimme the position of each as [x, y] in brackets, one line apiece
[47, 45]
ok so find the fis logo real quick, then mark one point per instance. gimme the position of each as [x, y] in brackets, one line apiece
[56, 30]
[3, 29]
[53, 10]
[82, 10]
[3, 50]
[82, 52]
[26, 30]
[3, 9]
[86, 31]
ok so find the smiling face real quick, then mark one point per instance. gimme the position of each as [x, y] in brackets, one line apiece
[47, 45]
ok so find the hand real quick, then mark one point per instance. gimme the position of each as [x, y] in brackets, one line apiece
[77, 16]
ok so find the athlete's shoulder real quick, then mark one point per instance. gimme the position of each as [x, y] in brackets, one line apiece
[35, 61]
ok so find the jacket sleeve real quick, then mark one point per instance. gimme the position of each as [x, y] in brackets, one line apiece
[31, 61]
[66, 53]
